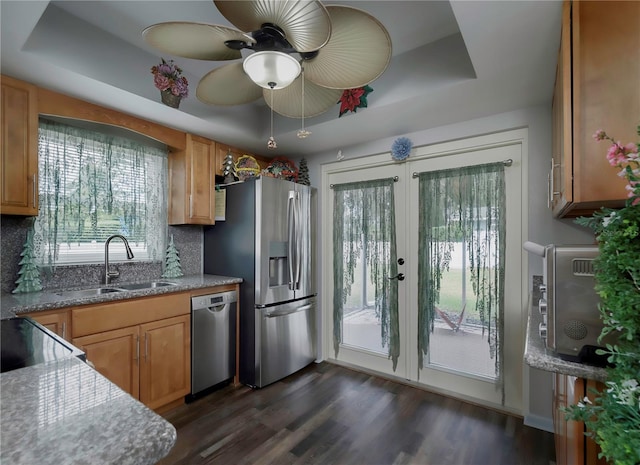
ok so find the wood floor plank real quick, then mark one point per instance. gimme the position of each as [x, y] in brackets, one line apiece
[327, 414]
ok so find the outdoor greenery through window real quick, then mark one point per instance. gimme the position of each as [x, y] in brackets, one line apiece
[462, 224]
[93, 185]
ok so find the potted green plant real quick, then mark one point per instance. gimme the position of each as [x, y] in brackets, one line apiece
[613, 418]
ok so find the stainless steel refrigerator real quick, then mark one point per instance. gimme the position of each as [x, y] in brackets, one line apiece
[268, 240]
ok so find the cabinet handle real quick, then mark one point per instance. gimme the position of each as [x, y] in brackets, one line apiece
[35, 190]
[64, 330]
[145, 347]
[552, 192]
[190, 205]
[137, 349]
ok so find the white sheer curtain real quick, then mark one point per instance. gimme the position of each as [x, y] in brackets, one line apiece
[93, 185]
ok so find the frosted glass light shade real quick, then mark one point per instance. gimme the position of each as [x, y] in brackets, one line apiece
[271, 69]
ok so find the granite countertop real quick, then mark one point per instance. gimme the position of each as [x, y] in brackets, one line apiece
[15, 304]
[64, 412]
[538, 356]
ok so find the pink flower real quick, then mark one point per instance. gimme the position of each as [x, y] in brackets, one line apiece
[167, 76]
[616, 155]
[600, 135]
[161, 82]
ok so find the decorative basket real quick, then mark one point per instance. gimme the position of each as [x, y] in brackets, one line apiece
[247, 167]
[169, 99]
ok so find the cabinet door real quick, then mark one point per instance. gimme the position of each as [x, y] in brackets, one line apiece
[57, 322]
[561, 169]
[165, 372]
[19, 163]
[116, 356]
[201, 169]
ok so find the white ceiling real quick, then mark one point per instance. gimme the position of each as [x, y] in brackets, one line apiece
[452, 61]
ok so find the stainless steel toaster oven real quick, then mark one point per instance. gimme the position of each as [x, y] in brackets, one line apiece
[569, 304]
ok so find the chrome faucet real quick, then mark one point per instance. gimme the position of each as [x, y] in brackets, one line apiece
[114, 274]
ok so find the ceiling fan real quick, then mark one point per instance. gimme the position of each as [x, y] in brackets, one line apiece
[339, 47]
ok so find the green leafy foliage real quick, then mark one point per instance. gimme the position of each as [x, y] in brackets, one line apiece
[613, 419]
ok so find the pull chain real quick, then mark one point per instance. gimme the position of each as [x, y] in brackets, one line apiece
[271, 143]
[303, 133]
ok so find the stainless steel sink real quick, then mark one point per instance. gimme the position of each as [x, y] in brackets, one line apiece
[88, 292]
[147, 285]
[108, 290]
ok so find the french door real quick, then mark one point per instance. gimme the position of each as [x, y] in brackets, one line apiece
[362, 333]
[459, 360]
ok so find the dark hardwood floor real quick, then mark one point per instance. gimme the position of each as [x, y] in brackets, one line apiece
[327, 414]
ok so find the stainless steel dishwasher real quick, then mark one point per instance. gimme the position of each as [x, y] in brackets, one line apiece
[213, 340]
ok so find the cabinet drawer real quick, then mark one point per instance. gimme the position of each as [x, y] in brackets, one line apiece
[114, 315]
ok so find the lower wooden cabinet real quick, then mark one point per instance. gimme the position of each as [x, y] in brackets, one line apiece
[572, 446]
[58, 322]
[141, 345]
[165, 372]
[116, 356]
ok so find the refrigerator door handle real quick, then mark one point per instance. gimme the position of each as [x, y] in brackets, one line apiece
[291, 239]
[298, 245]
[302, 308]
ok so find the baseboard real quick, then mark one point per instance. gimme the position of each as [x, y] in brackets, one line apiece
[539, 422]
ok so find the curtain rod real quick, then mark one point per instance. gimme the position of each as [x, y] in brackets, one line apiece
[395, 179]
[507, 162]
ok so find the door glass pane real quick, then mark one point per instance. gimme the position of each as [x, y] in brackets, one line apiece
[458, 342]
[361, 326]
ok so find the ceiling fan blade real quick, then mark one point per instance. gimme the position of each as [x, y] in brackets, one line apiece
[195, 40]
[228, 85]
[288, 101]
[358, 52]
[305, 23]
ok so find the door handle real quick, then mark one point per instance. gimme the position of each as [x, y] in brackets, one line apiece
[288, 312]
[399, 277]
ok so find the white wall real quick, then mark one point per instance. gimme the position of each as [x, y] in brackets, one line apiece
[542, 227]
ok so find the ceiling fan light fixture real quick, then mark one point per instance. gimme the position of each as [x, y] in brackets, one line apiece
[271, 69]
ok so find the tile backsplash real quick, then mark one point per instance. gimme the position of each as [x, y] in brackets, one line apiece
[13, 234]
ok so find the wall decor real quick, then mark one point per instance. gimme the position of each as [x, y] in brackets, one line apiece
[247, 167]
[283, 168]
[173, 86]
[172, 267]
[401, 148]
[303, 174]
[29, 280]
[352, 99]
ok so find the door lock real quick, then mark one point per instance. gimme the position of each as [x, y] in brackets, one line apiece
[401, 261]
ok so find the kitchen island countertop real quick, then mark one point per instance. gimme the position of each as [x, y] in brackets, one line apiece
[64, 412]
[538, 356]
[15, 304]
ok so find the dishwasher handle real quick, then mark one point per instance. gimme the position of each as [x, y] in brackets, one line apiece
[276, 314]
[216, 308]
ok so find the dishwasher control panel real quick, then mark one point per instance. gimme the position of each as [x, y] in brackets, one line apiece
[213, 300]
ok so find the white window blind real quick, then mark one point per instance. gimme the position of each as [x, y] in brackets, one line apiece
[93, 185]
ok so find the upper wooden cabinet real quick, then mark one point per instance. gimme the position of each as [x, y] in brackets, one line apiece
[19, 158]
[192, 182]
[596, 88]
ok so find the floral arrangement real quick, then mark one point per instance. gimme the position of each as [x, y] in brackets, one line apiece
[613, 417]
[401, 148]
[352, 99]
[167, 76]
[281, 167]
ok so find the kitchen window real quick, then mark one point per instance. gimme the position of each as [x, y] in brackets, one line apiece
[93, 184]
